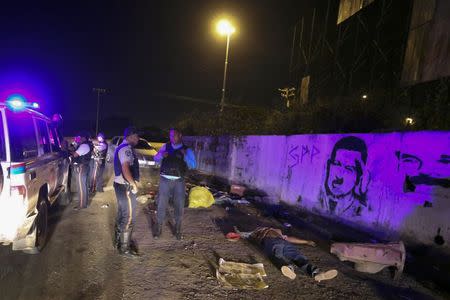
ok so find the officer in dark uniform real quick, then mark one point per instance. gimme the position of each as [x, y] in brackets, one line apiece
[176, 159]
[126, 171]
[98, 163]
[81, 158]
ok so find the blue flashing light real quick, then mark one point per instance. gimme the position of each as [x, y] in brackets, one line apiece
[19, 103]
[16, 102]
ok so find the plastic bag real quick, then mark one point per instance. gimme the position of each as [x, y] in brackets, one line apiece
[200, 197]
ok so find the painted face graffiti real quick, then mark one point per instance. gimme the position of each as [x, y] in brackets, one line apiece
[347, 178]
[416, 174]
[344, 172]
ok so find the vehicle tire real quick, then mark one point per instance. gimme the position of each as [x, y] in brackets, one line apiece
[41, 228]
[41, 225]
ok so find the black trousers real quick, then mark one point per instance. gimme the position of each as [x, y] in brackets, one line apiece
[126, 207]
[81, 173]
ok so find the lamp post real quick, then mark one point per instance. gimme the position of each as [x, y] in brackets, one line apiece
[224, 27]
[98, 91]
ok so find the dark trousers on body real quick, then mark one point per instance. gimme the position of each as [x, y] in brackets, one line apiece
[286, 253]
[98, 167]
[126, 207]
[81, 173]
[168, 189]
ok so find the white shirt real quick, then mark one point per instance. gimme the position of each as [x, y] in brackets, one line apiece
[83, 149]
[126, 154]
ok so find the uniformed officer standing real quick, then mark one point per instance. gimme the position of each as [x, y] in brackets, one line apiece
[98, 163]
[126, 171]
[80, 162]
[176, 159]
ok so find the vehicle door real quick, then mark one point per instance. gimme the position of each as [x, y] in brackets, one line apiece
[24, 149]
[63, 163]
[48, 161]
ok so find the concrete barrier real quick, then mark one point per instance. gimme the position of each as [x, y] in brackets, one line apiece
[394, 183]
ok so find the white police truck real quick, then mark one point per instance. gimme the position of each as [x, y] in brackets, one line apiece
[33, 174]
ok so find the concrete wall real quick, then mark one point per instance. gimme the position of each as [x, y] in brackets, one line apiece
[391, 184]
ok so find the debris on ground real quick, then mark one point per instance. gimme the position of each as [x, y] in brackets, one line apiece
[105, 206]
[287, 225]
[227, 200]
[372, 258]
[143, 199]
[233, 236]
[241, 275]
[237, 190]
[200, 197]
[191, 246]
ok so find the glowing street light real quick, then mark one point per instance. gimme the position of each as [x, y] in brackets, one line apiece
[409, 121]
[224, 27]
[364, 96]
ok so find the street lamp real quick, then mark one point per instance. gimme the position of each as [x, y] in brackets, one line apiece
[98, 91]
[224, 27]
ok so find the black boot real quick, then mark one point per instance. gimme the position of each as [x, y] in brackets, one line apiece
[116, 239]
[125, 238]
[158, 231]
[178, 231]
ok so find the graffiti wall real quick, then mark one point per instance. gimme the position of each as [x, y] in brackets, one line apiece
[395, 183]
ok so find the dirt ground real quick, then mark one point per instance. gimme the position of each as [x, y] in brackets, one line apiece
[79, 261]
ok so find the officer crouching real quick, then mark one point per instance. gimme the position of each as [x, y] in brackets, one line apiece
[81, 158]
[126, 171]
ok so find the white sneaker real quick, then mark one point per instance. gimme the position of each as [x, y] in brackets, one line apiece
[289, 272]
[326, 275]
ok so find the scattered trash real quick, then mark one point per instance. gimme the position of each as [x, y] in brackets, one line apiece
[104, 206]
[200, 197]
[143, 198]
[372, 258]
[223, 200]
[287, 225]
[243, 201]
[192, 245]
[241, 275]
[233, 236]
[227, 200]
[237, 189]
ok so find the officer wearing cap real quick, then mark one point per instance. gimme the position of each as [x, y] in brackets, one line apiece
[126, 171]
[176, 159]
[81, 158]
[98, 163]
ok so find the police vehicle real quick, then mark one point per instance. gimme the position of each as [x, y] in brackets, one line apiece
[33, 174]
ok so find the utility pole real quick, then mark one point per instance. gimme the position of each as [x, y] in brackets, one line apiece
[222, 100]
[98, 91]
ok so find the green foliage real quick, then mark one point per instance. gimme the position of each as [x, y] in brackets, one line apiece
[377, 113]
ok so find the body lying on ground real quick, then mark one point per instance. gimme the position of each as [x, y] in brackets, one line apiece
[282, 250]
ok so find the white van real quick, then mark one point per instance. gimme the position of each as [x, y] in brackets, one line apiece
[33, 175]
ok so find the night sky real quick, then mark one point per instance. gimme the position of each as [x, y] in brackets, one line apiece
[58, 51]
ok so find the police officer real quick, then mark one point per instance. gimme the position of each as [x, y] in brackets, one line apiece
[126, 171]
[98, 163]
[176, 158]
[81, 158]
